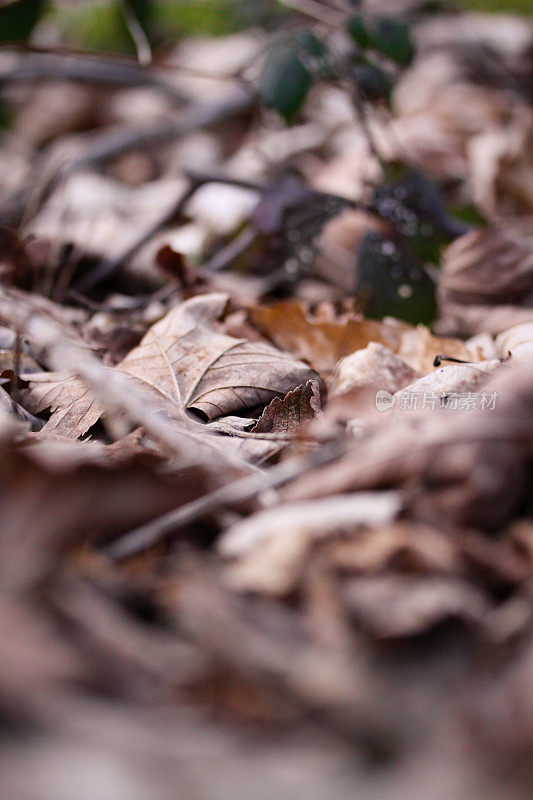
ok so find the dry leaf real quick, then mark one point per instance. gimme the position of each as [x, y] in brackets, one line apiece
[455, 379]
[488, 268]
[191, 361]
[288, 415]
[324, 342]
[321, 343]
[272, 545]
[396, 606]
[374, 365]
[72, 402]
[516, 341]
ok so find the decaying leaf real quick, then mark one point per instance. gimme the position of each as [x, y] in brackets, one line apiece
[375, 364]
[488, 271]
[71, 401]
[324, 342]
[288, 415]
[191, 361]
[453, 380]
[472, 468]
[72, 404]
[271, 546]
[396, 606]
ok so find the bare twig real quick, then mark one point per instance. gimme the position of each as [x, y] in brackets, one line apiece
[237, 492]
[38, 66]
[142, 45]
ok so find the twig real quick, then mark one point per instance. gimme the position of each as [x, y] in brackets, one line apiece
[247, 488]
[142, 45]
[38, 66]
[225, 257]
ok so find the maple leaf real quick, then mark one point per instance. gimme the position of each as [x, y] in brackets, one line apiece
[195, 364]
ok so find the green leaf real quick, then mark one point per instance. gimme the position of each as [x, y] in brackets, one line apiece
[313, 53]
[357, 30]
[285, 81]
[143, 10]
[392, 38]
[18, 18]
[391, 282]
[417, 209]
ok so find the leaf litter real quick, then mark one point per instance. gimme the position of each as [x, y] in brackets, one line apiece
[225, 569]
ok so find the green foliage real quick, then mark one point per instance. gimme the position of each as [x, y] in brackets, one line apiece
[289, 71]
[415, 206]
[18, 18]
[206, 18]
[391, 282]
[358, 31]
[143, 10]
[99, 27]
[285, 81]
[500, 6]
[387, 35]
[392, 38]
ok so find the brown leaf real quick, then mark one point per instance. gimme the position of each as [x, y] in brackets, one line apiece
[272, 546]
[488, 268]
[72, 402]
[454, 379]
[374, 365]
[471, 469]
[193, 363]
[324, 342]
[321, 343]
[288, 415]
[401, 605]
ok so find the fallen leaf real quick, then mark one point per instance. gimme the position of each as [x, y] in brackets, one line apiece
[271, 546]
[72, 404]
[455, 379]
[487, 270]
[516, 341]
[196, 365]
[401, 605]
[374, 365]
[321, 343]
[287, 415]
[71, 401]
[324, 342]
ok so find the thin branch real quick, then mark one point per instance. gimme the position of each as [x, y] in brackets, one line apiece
[247, 488]
[142, 45]
[38, 66]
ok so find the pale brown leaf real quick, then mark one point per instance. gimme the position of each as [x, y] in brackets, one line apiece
[374, 365]
[191, 361]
